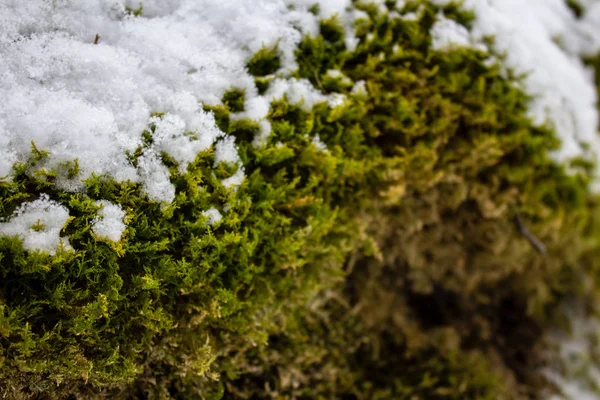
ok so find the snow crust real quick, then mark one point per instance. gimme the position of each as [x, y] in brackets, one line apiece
[109, 224]
[38, 223]
[319, 144]
[90, 101]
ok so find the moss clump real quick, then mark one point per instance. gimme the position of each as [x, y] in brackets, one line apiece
[265, 62]
[576, 7]
[234, 99]
[387, 266]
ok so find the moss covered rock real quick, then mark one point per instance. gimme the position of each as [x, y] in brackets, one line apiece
[406, 235]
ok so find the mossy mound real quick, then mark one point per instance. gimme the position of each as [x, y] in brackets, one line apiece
[388, 265]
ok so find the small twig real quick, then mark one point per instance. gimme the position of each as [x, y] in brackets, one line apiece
[531, 238]
[319, 82]
[97, 39]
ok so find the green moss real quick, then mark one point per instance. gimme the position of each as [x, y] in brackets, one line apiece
[388, 266]
[135, 12]
[576, 7]
[234, 99]
[265, 62]
[594, 63]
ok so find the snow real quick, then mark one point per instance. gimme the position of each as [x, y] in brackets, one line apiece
[359, 88]
[263, 135]
[38, 223]
[212, 215]
[447, 33]
[226, 151]
[319, 144]
[578, 372]
[587, 28]
[234, 180]
[171, 135]
[155, 177]
[109, 223]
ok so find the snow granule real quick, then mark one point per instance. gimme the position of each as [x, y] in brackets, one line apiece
[297, 91]
[336, 100]
[447, 33]
[212, 215]
[262, 137]
[226, 151]
[234, 180]
[359, 88]
[38, 224]
[318, 143]
[172, 137]
[155, 177]
[109, 224]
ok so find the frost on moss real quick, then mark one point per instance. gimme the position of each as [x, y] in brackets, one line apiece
[388, 266]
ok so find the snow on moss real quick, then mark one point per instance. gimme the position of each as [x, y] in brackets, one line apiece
[84, 78]
[110, 221]
[78, 99]
[171, 136]
[38, 223]
[319, 144]
[447, 33]
[226, 151]
[212, 215]
[544, 40]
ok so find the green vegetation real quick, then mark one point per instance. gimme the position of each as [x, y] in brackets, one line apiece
[388, 266]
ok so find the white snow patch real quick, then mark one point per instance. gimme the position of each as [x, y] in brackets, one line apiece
[447, 33]
[155, 177]
[172, 136]
[318, 143]
[109, 224]
[297, 91]
[226, 151]
[38, 224]
[212, 215]
[234, 180]
[336, 100]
